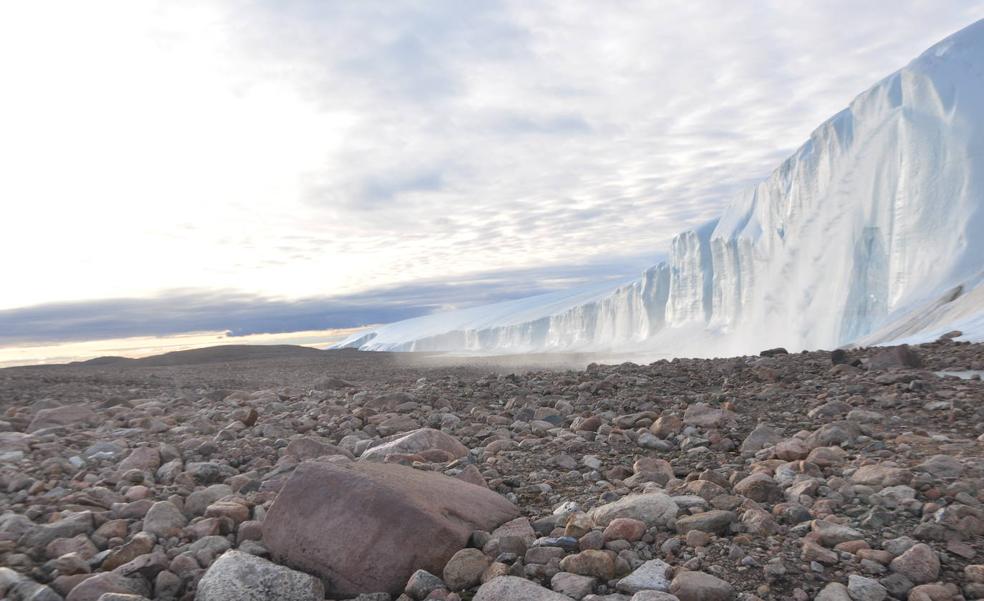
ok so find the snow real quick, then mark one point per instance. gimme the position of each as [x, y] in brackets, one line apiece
[861, 236]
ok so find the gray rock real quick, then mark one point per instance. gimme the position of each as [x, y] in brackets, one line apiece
[649, 576]
[865, 589]
[572, 585]
[238, 576]
[421, 583]
[164, 519]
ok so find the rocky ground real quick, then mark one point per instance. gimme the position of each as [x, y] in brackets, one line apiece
[304, 475]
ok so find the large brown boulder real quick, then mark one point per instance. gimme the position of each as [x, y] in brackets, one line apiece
[366, 527]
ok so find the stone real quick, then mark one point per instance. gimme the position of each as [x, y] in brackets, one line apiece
[238, 576]
[421, 583]
[975, 573]
[942, 466]
[465, 568]
[651, 575]
[197, 502]
[96, 585]
[895, 356]
[666, 426]
[877, 474]
[653, 509]
[624, 529]
[417, 441]
[705, 416]
[832, 534]
[141, 544]
[310, 447]
[145, 459]
[512, 588]
[919, 564]
[597, 564]
[38, 537]
[935, 592]
[834, 591]
[865, 589]
[67, 415]
[715, 521]
[761, 437]
[700, 586]
[329, 517]
[759, 487]
[572, 585]
[654, 596]
[164, 519]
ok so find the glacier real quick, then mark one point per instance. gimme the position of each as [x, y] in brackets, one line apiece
[872, 232]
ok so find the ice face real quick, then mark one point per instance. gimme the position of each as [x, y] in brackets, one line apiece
[864, 231]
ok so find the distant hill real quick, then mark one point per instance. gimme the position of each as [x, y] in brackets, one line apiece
[211, 354]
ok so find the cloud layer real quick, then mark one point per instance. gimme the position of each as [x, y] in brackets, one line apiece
[329, 150]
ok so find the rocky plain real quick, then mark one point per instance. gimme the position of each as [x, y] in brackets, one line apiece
[293, 474]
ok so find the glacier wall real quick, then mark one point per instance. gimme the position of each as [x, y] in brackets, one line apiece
[879, 214]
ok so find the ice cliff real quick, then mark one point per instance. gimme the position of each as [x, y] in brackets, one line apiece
[872, 231]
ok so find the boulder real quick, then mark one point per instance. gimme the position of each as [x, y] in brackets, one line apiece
[417, 441]
[329, 518]
[238, 576]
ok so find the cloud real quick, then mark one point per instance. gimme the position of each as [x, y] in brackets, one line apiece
[242, 314]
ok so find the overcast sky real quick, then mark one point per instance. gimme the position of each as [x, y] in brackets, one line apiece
[392, 157]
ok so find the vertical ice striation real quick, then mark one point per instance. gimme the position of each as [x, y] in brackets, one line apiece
[691, 277]
[876, 220]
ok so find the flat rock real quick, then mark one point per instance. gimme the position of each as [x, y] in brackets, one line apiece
[329, 518]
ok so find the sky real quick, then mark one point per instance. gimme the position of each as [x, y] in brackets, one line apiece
[257, 167]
